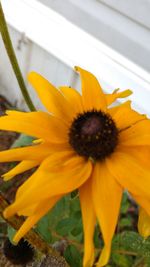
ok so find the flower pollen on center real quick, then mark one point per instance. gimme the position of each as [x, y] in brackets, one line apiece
[93, 134]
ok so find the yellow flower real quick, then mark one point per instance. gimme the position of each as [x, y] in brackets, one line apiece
[82, 143]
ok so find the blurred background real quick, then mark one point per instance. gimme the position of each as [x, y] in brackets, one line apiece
[110, 38]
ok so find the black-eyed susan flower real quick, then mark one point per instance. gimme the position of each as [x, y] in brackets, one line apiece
[22, 254]
[82, 143]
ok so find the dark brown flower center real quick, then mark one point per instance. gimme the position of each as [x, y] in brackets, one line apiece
[93, 134]
[20, 254]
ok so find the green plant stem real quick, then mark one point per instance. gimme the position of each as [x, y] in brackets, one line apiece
[32, 237]
[12, 57]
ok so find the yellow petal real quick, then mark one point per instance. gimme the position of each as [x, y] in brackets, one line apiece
[140, 153]
[137, 135]
[92, 94]
[39, 124]
[73, 97]
[129, 172]
[28, 211]
[143, 202]
[89, 222]
[35, 153]
[144, 215]
[110, 98]
[46, 184]
[122, 106]
[55, 160]
[105, 255]
[107, 194]
[144, 223]
[51, 98]
[21, 167]
[124, 116]
[42, 209]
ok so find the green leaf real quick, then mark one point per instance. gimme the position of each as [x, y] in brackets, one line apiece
[64, 220]
[11, 232]
[125, 222]
[77, 230]
[65, 226]
[72, 256]
[132, 242]
[23, 140]
[122, 260]
[43, 228]
[125, 203]
[145, 248]
[128, 240]
[75, 207]
[147, 261]
[97, 239]
[46, 226]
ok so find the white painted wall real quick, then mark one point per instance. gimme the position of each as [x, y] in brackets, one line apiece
[137, 10]
[121, 24]
[30, 57]
[55, 44]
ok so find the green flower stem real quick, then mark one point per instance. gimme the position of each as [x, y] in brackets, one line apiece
[13, 59]
[32, 237]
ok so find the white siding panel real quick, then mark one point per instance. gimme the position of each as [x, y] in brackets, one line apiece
[8, 82]
[137, 10]
[61, 45]
[120, 32]
[50, 67]
[31, 57]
